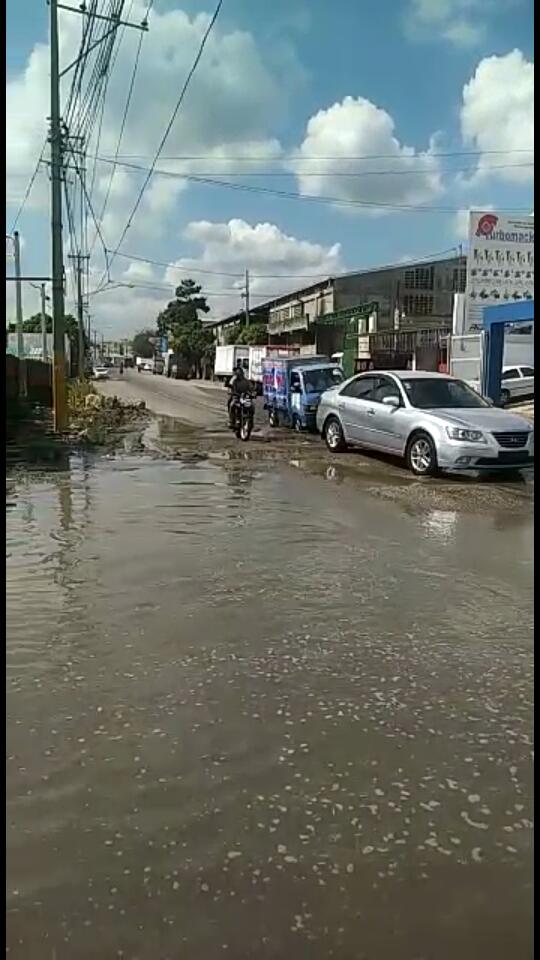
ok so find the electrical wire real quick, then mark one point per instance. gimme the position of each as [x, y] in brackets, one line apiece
[122, 124]
[275, 276]
[413, 171]
[292, 195]
[344, 157]
[168, 127]
[28, 190]
[92, 213]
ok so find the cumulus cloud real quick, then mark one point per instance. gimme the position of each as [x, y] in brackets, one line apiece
[277, 262]
[459, 22]
[235, 97]
[497, 115]
[460, 226]
[398, 174]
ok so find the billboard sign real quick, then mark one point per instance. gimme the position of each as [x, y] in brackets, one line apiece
[500, 263]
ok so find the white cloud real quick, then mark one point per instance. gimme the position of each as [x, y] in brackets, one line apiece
[497, 115]
[459, 22]
[461, 220]
[270, 255]
[27, 106]
[398, 174]
[236, 96]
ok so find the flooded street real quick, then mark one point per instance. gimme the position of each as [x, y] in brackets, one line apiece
[262, 709]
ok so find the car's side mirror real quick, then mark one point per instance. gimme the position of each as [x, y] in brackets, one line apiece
[391, 401]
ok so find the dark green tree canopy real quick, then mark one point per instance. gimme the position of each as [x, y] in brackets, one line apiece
[256, 334]
[142, 344]
[181, 323]
[33, 325]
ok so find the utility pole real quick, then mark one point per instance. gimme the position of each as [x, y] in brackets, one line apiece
[44, 350]
[43, 297]
[18, 294]
[57, 173]
[19, 313]
[247, 298]
[80, 313]
[59, 360]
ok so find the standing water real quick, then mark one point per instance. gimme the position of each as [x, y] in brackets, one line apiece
[248, 717]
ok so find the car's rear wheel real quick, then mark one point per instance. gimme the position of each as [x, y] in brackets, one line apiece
[333, 435]
[421, 455]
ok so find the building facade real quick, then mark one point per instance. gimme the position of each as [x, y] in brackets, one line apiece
[410, 296]
[410, 302]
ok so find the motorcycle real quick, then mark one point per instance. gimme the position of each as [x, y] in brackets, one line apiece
[243, 412]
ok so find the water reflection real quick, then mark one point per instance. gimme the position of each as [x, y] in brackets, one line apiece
[247, 717]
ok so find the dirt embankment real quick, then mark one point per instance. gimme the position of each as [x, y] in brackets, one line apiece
[99, 420]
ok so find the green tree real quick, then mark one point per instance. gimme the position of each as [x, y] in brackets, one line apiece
[181, 323]
[256, 334]
[33, 325]
[142, 344]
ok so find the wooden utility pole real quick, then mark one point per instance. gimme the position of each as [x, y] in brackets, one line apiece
[59, 358]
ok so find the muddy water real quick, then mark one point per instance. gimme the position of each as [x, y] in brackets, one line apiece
[252, 712]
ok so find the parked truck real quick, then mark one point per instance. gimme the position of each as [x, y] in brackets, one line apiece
[293, 386]
[251, 358]
[227, 359]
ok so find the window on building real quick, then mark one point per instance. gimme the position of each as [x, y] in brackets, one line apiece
[459, 279]
[297, 311]
[421, 278]
[418, 305]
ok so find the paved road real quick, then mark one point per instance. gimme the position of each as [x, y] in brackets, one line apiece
[196, 404]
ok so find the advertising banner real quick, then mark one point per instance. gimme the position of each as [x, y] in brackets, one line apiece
[500, 263]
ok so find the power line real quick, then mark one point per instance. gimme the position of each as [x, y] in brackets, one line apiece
[315, 158]
[292, 195]
[117, 161]
[270, 276]
[169, 125]
[29, 186]
[122, 124]
[92, 213]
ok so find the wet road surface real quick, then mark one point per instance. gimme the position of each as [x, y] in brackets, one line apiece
[192, 416]
[253, 711]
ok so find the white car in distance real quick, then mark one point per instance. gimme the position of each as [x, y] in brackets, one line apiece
[517, 383]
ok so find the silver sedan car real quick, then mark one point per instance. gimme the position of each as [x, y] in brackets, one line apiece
[432, 420]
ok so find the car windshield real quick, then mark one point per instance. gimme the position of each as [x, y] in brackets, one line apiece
[428, 393]
[317, 381]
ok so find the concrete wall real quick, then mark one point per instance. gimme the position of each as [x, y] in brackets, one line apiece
[465, 354]
[38, 379]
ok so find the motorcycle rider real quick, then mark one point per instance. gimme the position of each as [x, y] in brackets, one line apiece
[238, 384]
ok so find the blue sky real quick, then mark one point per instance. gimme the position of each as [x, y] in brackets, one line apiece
[386, 76]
